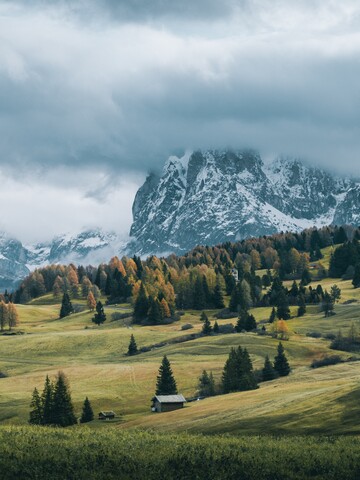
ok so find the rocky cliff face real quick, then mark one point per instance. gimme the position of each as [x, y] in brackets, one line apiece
[208, 197]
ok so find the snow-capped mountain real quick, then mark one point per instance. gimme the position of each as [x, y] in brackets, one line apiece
[207, 197]
[90, 246]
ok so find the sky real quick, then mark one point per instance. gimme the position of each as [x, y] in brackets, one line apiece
[94, 94]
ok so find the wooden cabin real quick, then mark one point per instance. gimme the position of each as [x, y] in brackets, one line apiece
[167, 403]
[106, 415]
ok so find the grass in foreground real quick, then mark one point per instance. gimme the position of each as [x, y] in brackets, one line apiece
[80, 453]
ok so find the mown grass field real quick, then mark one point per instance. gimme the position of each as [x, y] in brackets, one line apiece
[308, 401]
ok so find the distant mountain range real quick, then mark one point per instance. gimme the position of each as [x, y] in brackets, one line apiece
[205, 197]
[90, 246]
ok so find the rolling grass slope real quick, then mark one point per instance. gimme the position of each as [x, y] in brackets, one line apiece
[93, 358]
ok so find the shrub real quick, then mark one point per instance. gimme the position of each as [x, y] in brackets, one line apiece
[186, 326]
[325, 361]
[227, 328]
[314, 334]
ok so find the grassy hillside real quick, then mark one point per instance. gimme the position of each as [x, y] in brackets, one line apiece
[93, 358]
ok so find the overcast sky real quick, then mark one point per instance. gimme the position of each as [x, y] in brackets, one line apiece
[95, 93]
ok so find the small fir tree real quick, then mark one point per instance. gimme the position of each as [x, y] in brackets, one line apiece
[302, 306]
[36, 410]
[206, 385]
[272, 317]
[268, 372]
[141, 306]
[281, 364]
[155, 314]
[132, 350]
[216, 327]
[165, 384]
[100, 316]
[66, 306]
[47, 401]
[206, 329]
[87, 412]
[283, 310]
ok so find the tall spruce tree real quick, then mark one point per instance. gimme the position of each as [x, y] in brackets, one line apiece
[132, 350]
[218, 299]
[100, 315]
[141, 306]
[199, 295]
[238, 372]
[87, 412]
[165, 384]
[268, 372]
[36, 409]
[66, 306]
[281, 364]
[63, 410]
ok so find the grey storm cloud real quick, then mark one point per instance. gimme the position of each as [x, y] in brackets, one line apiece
[128, 88]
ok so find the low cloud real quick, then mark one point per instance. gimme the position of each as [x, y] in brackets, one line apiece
[115, 87]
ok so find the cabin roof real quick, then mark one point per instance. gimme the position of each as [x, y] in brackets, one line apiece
[106, 414]
[170, 398]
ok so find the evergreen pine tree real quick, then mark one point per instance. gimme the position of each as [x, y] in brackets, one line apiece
[36, 410]
[356, 279]
[66, 306]
[47, 401]
[216, 327]
[305, 277]
[281, 364]
[302, 306]
[199, 296]
[100, 315]
[236, 298]
[155, 314]
[63, 410]
[250, 323]
[206, 385]
[165, 384]
[283, 311]
[272, 317]
[206, 329]
[141, 306]
[132, 350]
[87, 412]
[218, 299]
[268, 372]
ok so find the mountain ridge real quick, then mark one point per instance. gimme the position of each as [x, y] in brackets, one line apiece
[212, 196]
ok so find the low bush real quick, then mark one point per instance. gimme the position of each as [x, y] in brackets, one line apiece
[326, 361]
[186, 326]
[314, 334]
